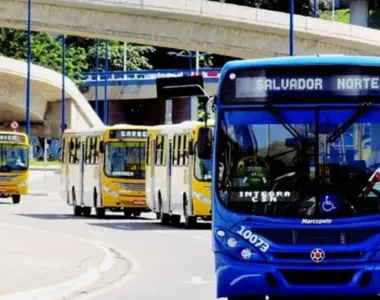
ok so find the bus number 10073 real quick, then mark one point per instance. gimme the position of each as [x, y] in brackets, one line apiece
[253, 239]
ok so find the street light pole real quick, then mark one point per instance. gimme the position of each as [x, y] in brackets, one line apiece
[315, 9]
[125, 57]
[29, 61]
[291, 28]
[97, 79]
[197, 62]
[63, 99]
[105, 103]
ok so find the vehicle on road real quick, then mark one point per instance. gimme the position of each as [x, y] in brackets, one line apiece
[295, 211]
[178, 182]
[104, 169]
[14, 165]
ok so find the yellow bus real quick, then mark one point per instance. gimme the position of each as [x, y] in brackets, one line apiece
[178, 182]
[104, 168]
[14, 165]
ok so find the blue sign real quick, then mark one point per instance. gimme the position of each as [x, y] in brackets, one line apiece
[337, 85]
[329, 203]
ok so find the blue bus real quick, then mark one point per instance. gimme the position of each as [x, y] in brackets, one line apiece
[296, 211]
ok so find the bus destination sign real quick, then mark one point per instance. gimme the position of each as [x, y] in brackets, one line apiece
[338, 85]
[129, 133]
[12, 138]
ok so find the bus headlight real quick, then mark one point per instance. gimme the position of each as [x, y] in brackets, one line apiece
[220, 233]
[246, 253]
[231, 242]
[110, 191]
[22, 183]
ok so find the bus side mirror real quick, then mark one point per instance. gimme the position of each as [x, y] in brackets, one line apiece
[101, 147]
[204, 143]
[191, 147]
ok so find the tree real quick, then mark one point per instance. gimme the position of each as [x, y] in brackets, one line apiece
[138, 55]
[80, 52]
[46, 51]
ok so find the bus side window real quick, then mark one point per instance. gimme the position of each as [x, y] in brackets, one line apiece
[63, 152]
[158, 152]
[72, 147]
[179, 150]
[165, 146]
[147, 152]
[184, 150]
[77, 149]
[95, 149]
[87, 159]
[174, 151]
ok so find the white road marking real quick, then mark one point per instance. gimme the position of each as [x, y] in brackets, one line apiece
[197, 280]
[70, 286]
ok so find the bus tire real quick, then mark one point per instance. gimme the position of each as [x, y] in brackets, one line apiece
[77, 210]
[100, 212]
[16, 199]
[165, 219]
[86, 211]
[190, 221]
[127, 213]
[175, 220]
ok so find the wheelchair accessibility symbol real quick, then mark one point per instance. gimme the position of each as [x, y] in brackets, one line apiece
[329, 203]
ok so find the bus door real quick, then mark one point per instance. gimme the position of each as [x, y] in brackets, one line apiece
[81, 170]
[66, 153]
[152, 175]
[190, 168]
[169, 181]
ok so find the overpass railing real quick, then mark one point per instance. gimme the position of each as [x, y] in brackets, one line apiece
[209, 73]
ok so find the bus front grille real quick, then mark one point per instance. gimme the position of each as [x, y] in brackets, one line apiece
[133, 186]
[311, 277]
[316, 236]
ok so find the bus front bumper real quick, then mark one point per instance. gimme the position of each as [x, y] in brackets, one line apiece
[239, 278]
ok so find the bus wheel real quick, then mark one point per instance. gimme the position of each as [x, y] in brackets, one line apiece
[190, 221]
[100, 212]
[16, 199]
[165, 219]
[77, 210]
[137, 214]
[176, 220]
[86, 211]
[127, 213]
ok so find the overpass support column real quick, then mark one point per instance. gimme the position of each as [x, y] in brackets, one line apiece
[359, 12]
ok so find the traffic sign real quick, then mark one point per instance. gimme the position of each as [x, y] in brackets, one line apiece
[14, 125]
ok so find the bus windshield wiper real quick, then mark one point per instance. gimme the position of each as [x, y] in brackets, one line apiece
[351, 120]
[276, 113]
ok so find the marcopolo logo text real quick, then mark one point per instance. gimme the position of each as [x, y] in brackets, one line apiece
[316, 222]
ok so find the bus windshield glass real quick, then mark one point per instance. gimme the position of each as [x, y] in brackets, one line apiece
[13, 158]
[298, 167]
[125, 159]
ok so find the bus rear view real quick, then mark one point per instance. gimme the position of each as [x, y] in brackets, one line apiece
[296, 179]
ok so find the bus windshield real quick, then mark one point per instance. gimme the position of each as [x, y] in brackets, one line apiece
[297, 163]
[125, 159]
[13, 158]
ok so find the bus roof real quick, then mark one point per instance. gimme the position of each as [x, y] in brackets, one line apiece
[181, 126]
[127, 126]
[85, 131]
[12, 132]
[332, 59]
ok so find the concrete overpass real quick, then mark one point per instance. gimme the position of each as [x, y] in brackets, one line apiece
[46, 100]
[215, 27]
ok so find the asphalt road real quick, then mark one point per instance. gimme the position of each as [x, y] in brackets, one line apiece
[155, 262]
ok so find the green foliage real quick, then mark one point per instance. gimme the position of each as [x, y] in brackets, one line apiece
[46, 51]
[80, 52]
